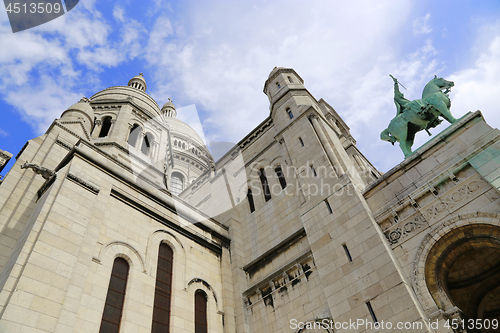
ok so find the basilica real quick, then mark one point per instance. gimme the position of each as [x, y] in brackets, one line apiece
[118, 219]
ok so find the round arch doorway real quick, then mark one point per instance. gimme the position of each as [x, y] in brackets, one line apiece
[462, 270]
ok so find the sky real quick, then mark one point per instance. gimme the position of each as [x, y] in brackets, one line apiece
[216, 56]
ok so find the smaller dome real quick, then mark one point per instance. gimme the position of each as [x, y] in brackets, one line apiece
[77, 110]
[138, 82]
[169, 109]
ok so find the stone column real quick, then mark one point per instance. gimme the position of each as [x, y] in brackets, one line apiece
[329, 117]
[324, 142]
[154, 150]
[97, 128]
[119, 130]
[361, 164]
[130, 126]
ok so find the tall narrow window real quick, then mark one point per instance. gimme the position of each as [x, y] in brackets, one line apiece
[281, 178]
[265, 185]
[328, 207]
[278, 85]
[250, 201]
[290, 114]
[290, 79]
[146, 143]
[163, 290]
[135, 133]
[200, 312]
[372, 313]
[313, 171]
[347, 253]
[113, 307]
[176, 183]
[301, 141]
[106, 125]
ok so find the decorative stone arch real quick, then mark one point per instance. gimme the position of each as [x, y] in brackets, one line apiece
[182, 172]
[136, 128]
[120, 249]
[185, 179]
[179, 265]
[214, 312]
[148, 143]
[199, 283]
[102, 124]
[278, 160]
[440, 249]
[102, 276]
[255, 167]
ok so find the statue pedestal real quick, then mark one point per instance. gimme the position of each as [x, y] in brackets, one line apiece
[439, 203]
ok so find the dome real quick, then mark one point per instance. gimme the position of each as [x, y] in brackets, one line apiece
[169, 109]
[135, 92]
[138, 82]
[122, 93]
[77, 110]
[179, 127]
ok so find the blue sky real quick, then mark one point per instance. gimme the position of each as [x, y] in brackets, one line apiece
[217, 55]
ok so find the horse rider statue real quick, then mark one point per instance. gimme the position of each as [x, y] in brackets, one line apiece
[420, 114]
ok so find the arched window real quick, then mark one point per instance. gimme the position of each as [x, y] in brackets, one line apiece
[176, 183]
[301, 141]
[265, 185]
[250, 201]
[106, 125]
[113, 307]
[146, 143]
[280, 175]
[163, 290]
[200, 312]
[290, 114]
[135, 133]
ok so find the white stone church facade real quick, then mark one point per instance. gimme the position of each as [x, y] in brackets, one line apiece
[138, 229]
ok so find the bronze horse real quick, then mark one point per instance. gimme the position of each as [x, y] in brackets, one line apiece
[420, 114]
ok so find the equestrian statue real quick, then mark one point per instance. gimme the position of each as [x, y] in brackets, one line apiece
[420, 114]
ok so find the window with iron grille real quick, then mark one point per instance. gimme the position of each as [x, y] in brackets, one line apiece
[113, 307]
[163, 290]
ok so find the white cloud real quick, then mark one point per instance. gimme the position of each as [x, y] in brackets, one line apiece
[118, 13]
[421, 25]
[3, 133]
[226, 52]
[477, 88]
[220, 55]
[41, 71]
[41, 104]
